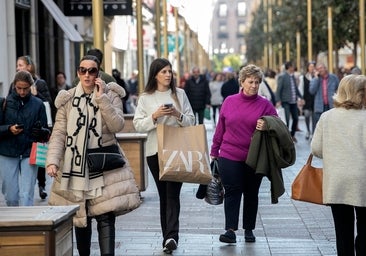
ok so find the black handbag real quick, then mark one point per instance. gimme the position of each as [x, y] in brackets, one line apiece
[104, 158]
[213, 193]
[215, 189]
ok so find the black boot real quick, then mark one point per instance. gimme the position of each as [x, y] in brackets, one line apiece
[106, 233]
[83, 238]
[42, 192]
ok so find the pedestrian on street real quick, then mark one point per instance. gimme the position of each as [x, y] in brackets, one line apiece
[40, 90]
[323, 86]
[88, 116]
[339, 139]
[198, 93]
[230, 85]
[304, 84]
[287, 94]
[216, 97]
[24, 122]
[152, 109]
[240, 116]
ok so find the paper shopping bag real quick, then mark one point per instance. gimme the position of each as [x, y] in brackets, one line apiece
[38, 154]
[183, 154]
[308, 184]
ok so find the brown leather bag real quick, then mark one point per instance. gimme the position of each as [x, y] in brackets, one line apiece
[307, 186]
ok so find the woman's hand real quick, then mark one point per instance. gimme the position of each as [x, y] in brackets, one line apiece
[52, 170]
[101, 86]
[14, 129]
[260, 125]
[164, 111]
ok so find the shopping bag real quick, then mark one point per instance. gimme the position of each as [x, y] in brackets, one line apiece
[308, 184]
[183, 154]
[281, 114]
[38, 154]
[207, 113]
[48, 113]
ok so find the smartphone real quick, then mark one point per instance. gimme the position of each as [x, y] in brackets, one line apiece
[19, 126]
[168, 105]
[99, 75]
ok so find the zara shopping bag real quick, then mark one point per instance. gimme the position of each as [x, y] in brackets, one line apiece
[183, 154]
[308, 184]
[38, 154]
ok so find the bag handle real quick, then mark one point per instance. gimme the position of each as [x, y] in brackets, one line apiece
[310, 159]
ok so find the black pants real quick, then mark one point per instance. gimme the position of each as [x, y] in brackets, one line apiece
[169, 196]
[201, 115]
[106, 235]
[239, 180]
[344, 223]
[41, 177]
[291, 109]
[214, 107]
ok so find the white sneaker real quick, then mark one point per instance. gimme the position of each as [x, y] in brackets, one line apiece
[170, 246]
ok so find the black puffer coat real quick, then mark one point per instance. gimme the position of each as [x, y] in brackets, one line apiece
[198, 93]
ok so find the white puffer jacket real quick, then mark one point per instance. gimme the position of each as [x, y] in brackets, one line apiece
[120, 193]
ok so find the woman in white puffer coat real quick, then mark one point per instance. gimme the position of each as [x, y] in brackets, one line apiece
[88, 116]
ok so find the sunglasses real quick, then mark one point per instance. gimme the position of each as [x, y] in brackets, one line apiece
[91, 71]
[28, 59]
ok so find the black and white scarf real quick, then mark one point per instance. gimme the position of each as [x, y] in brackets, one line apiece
[84, 130]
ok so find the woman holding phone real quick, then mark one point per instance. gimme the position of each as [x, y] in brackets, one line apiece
[24, 122]
[88, 116]
[163, 103]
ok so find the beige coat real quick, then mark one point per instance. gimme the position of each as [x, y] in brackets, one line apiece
[120, 193]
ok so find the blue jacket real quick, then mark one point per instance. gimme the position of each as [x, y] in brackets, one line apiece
[316, 90]
[27, 111]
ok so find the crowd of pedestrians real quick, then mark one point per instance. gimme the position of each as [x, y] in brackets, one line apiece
[242, 103]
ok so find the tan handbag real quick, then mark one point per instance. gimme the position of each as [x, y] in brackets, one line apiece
[307, 186]
[183, 154]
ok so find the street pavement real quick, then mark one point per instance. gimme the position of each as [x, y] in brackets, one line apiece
[284, 229]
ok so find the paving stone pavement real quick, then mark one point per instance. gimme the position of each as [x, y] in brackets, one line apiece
[284, 229]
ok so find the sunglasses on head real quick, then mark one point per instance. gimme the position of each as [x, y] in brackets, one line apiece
[28, 59]
[91, 71]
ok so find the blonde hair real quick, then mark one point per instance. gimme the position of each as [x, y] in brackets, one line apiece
[351, 92]
[250, 71]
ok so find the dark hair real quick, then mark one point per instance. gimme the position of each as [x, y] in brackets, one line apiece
[61, 73]
[91, 57]
[23, 76]
[155, 67]
[97, 53]
[116, 73]
[288, 64]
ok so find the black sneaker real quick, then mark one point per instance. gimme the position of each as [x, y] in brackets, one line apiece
[249, 236]
[229, 237]
[170, 246]
[42, 192]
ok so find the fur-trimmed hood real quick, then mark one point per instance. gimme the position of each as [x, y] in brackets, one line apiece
[65, 95]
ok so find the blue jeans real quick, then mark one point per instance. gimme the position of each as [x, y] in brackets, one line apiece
[19, 179]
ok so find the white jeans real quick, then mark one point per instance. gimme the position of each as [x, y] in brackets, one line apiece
[18, 180]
